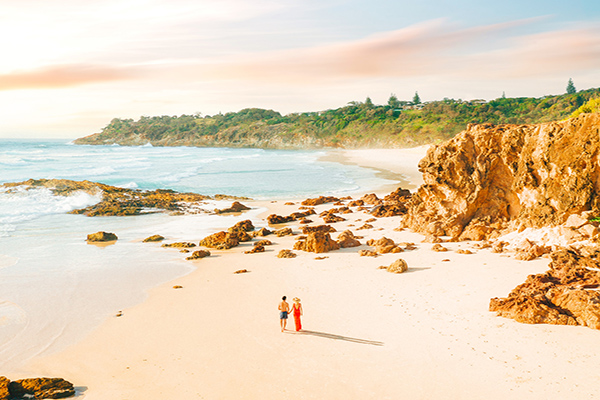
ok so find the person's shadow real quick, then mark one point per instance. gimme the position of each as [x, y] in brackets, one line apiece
[338, 337]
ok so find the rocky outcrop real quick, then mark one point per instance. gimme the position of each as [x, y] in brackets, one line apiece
[119, 201]
[508, 177]
[41, 388]
[154, 238]
[393, 204]
[565, 295]
[317, 242]
[320, 200]
[274, 219]
[318, 228]
[102, 237]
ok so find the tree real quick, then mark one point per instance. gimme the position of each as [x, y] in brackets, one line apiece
[416, 98]
[571, 87]
[393, 102]
[369, 102]
[503, 95]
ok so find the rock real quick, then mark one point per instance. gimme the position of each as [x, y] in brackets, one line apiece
[566, 294]
[177, 287]
[438, 247]
[242, 226]
[198, 254]
[371, 198]
[383, 245]
[320, 200]
[498, 247]
[102, 237]
[367, 253]
[365, 226]
[262, 232]
[181, 245]
[4, 393]
[583, 304]
[241, 271]
[284, 232]
[356, 203]
[575, 221]
[154, 238]
[318, 228]
[588, 230]
[263, 242]
[42, 388]
[220, 240]
[347, 239]
[332, 218]
[432, 239]
[527, 251]
[274, 219]
[509, 176]
[397, 267]
[317, 242]
[464, 251]
[286, 253]
[236, 207]
[256, 249]
[184, 251]
[321, 258]
[289, 203]
[484, 244]
[305, 221]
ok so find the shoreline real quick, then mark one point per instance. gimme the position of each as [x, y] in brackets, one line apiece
[423, 334]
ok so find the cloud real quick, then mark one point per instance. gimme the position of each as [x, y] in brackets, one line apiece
[431, 49]
[62, 76]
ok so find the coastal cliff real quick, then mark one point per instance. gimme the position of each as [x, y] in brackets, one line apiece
[508, 177]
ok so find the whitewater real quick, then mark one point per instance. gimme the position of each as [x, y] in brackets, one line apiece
[55, 288]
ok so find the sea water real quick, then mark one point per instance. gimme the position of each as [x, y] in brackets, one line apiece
[54, 287]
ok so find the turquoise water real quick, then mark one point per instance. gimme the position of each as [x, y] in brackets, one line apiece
[54, 287]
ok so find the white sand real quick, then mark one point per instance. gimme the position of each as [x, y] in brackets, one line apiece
[369, 334]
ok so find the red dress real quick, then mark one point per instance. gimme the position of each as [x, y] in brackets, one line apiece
[296, 312]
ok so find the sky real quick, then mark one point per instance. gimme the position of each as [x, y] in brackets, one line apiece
[68, 67]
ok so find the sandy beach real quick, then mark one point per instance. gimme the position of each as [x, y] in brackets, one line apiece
[367, 333]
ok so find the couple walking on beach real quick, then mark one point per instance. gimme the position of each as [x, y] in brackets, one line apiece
[284, 310]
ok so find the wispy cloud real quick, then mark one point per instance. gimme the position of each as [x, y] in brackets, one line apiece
[432, 48]
[62, 76]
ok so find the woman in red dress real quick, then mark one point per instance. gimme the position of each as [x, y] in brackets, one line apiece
[297, 312]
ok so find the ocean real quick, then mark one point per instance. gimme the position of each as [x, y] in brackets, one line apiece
[55, 288]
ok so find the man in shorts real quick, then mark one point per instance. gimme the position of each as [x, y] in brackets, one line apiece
[284, 309]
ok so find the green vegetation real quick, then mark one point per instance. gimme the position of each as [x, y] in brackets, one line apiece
[571, 87]
[592, 106]
[395, 124]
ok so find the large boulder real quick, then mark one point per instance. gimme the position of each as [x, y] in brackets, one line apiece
[42, 388]
[505, 177]
[102, 237]
[317, 242]
[220, 240]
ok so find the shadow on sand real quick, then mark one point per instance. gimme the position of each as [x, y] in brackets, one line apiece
[337, 337]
